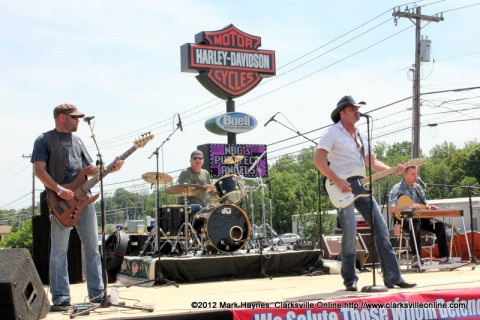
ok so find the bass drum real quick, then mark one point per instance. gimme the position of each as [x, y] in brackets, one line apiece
[225, 228]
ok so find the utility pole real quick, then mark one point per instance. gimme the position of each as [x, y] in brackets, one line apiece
[416, 17]
[33, 182]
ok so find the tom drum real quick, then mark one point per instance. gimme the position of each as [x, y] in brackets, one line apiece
[171, 219]
[230, 189]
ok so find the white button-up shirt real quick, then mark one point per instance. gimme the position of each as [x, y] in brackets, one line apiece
[343, 153]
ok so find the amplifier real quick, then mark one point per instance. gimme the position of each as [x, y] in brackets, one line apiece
[332, 245]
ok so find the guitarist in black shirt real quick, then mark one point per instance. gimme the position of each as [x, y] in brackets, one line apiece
[58, 156]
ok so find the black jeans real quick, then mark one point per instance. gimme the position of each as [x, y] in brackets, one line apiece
[437, 227]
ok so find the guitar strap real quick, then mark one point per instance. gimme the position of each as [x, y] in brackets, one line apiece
[362, 149]
[324, 179]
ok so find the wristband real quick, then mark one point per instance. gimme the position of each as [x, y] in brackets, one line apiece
[60, 190]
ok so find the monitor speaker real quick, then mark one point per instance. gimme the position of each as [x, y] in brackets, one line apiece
[41, 250]
[333, 248]
[367, 239]
[135, 244]
[21, 291]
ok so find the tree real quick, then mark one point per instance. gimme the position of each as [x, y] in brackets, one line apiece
[21, 238]
[472, 161]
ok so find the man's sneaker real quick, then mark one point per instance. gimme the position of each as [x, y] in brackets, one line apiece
[445, 260]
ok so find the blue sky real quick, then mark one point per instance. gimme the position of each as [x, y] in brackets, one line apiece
[120, 61]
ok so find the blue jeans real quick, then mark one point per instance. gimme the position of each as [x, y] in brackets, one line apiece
[88, 232]
[384, 250]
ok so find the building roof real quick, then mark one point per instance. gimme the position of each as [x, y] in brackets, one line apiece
[5, 229]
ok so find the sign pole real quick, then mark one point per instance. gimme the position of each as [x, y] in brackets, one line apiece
[232, 136]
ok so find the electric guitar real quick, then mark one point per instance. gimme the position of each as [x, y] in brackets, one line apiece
[358, 181]
[67, 212]
[405, 202]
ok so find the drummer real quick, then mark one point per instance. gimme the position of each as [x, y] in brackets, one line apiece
[195, 174]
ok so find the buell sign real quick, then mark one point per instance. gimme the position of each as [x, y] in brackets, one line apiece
[228, 61]
[236, 122]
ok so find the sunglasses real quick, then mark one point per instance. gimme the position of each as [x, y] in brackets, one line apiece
[197, 158]
[75, 117]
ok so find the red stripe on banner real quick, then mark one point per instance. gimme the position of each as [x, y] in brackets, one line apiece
[451, 304]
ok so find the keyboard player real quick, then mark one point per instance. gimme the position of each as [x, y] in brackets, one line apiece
[408, 187]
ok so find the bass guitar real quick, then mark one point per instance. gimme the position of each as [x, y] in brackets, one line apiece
[67, 212]
[358, 181]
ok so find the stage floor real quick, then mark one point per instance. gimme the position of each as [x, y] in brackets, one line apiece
[172, 302]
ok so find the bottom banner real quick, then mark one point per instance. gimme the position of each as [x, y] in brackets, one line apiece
[451, 304]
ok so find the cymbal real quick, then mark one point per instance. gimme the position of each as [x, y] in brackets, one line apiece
[185, 189]
[151, 177]
[233, 159]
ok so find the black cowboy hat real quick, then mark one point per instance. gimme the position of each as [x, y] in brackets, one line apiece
[344, 102]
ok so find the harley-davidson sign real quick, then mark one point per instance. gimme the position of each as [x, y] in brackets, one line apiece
[228, 61]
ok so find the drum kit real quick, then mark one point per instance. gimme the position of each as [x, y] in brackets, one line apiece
[220, 227]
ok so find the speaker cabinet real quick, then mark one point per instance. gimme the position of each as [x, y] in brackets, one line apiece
[21, 291]
[332, 245]
[135, 244]
[41, 250]
[367, 239]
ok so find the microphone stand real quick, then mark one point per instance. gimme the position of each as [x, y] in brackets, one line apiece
[374, 287]
[272, 230]
[384, 205]
[262, 193]
[473, 257]
[319, 184]
[159, 276]
[106, 301]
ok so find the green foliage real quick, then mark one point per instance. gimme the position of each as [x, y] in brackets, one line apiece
[310, 225]
[296, 187]
[21, 238]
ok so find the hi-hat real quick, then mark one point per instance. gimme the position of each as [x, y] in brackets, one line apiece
[233, 159]
[151, 177]
[185, 189]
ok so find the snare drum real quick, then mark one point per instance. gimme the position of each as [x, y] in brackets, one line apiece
[230, 189]
[225, 228]
[172, 217]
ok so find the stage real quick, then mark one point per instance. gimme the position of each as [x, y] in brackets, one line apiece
[230, 294]
[222, 266]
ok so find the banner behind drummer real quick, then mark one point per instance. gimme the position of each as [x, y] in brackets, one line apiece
[195, 174]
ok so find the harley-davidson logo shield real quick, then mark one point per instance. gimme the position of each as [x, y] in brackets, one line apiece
[228, 61]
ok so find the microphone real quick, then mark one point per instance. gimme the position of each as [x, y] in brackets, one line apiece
[257, 161]
[271, 119]
[364, 115]
[88, 119]
[179, 125]
[419, 180]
